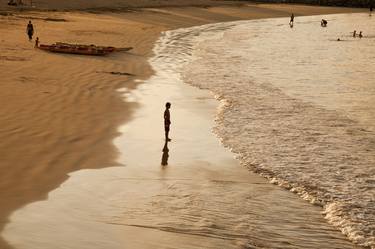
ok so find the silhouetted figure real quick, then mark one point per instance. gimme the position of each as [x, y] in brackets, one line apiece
[30, 30]
[12, 3]
[165, 156]
[360, 34]
[15, 2]
[291, 22]
[323, 23]
[167, 121]
[371, 8]
[354, 33]
[37, 42]
[338, 39]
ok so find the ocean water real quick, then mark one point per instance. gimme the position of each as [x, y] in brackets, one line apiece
[306, 125]
[297, 106]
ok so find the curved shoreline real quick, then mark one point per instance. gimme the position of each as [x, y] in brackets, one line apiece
[246, 127]
[188, 193]
[76, 114]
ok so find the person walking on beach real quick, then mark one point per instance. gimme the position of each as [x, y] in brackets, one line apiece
[354, 33]
[30, 30]
[291, 22]
[167, 121]
[360, 34]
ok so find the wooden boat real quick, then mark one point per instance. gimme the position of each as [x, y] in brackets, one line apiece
[60, 47]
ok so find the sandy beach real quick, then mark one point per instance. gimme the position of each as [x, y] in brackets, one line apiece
[60, 113]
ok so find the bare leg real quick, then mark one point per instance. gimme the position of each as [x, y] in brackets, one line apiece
[166, 135]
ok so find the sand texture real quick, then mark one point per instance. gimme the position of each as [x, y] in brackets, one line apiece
[59, 113]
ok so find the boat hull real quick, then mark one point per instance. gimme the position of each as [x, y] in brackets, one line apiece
[80, 49]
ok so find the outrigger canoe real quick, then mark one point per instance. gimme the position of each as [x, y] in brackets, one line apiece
[60, 47]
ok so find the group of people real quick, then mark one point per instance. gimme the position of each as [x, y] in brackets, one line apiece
[355, 34]
[30, 33]
[323, 23]
[15, 2]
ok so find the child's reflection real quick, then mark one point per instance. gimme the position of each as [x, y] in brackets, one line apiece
[164, 158]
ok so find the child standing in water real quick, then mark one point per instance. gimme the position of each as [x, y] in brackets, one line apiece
[167, 121]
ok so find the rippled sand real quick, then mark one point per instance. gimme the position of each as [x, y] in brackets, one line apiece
[60, 113]
[189, 193]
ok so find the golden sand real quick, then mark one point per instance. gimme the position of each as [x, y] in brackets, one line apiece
[59, 113]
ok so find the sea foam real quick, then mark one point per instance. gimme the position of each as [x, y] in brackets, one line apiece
[296, 106]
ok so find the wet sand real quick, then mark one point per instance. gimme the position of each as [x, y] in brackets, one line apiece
[60, 113]
[189, 193]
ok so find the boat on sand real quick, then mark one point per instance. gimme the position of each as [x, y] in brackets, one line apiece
[60, 47]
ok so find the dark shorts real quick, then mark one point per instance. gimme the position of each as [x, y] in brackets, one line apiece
[166, 127]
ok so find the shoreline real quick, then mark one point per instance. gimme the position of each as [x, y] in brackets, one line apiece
[190, 191]
[253, 128]
[80, 134]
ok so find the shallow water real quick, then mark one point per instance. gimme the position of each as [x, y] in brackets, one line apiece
[203, 198]
[300, 109]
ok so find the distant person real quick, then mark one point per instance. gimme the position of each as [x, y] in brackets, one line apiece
[30, 30]
[37, 42]
[371, 9]
[15, 2]
[323, 23]
[167, 120]
[338, 39]
[12, 3]
[354, 33]
[360, 34]
[291, 22]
